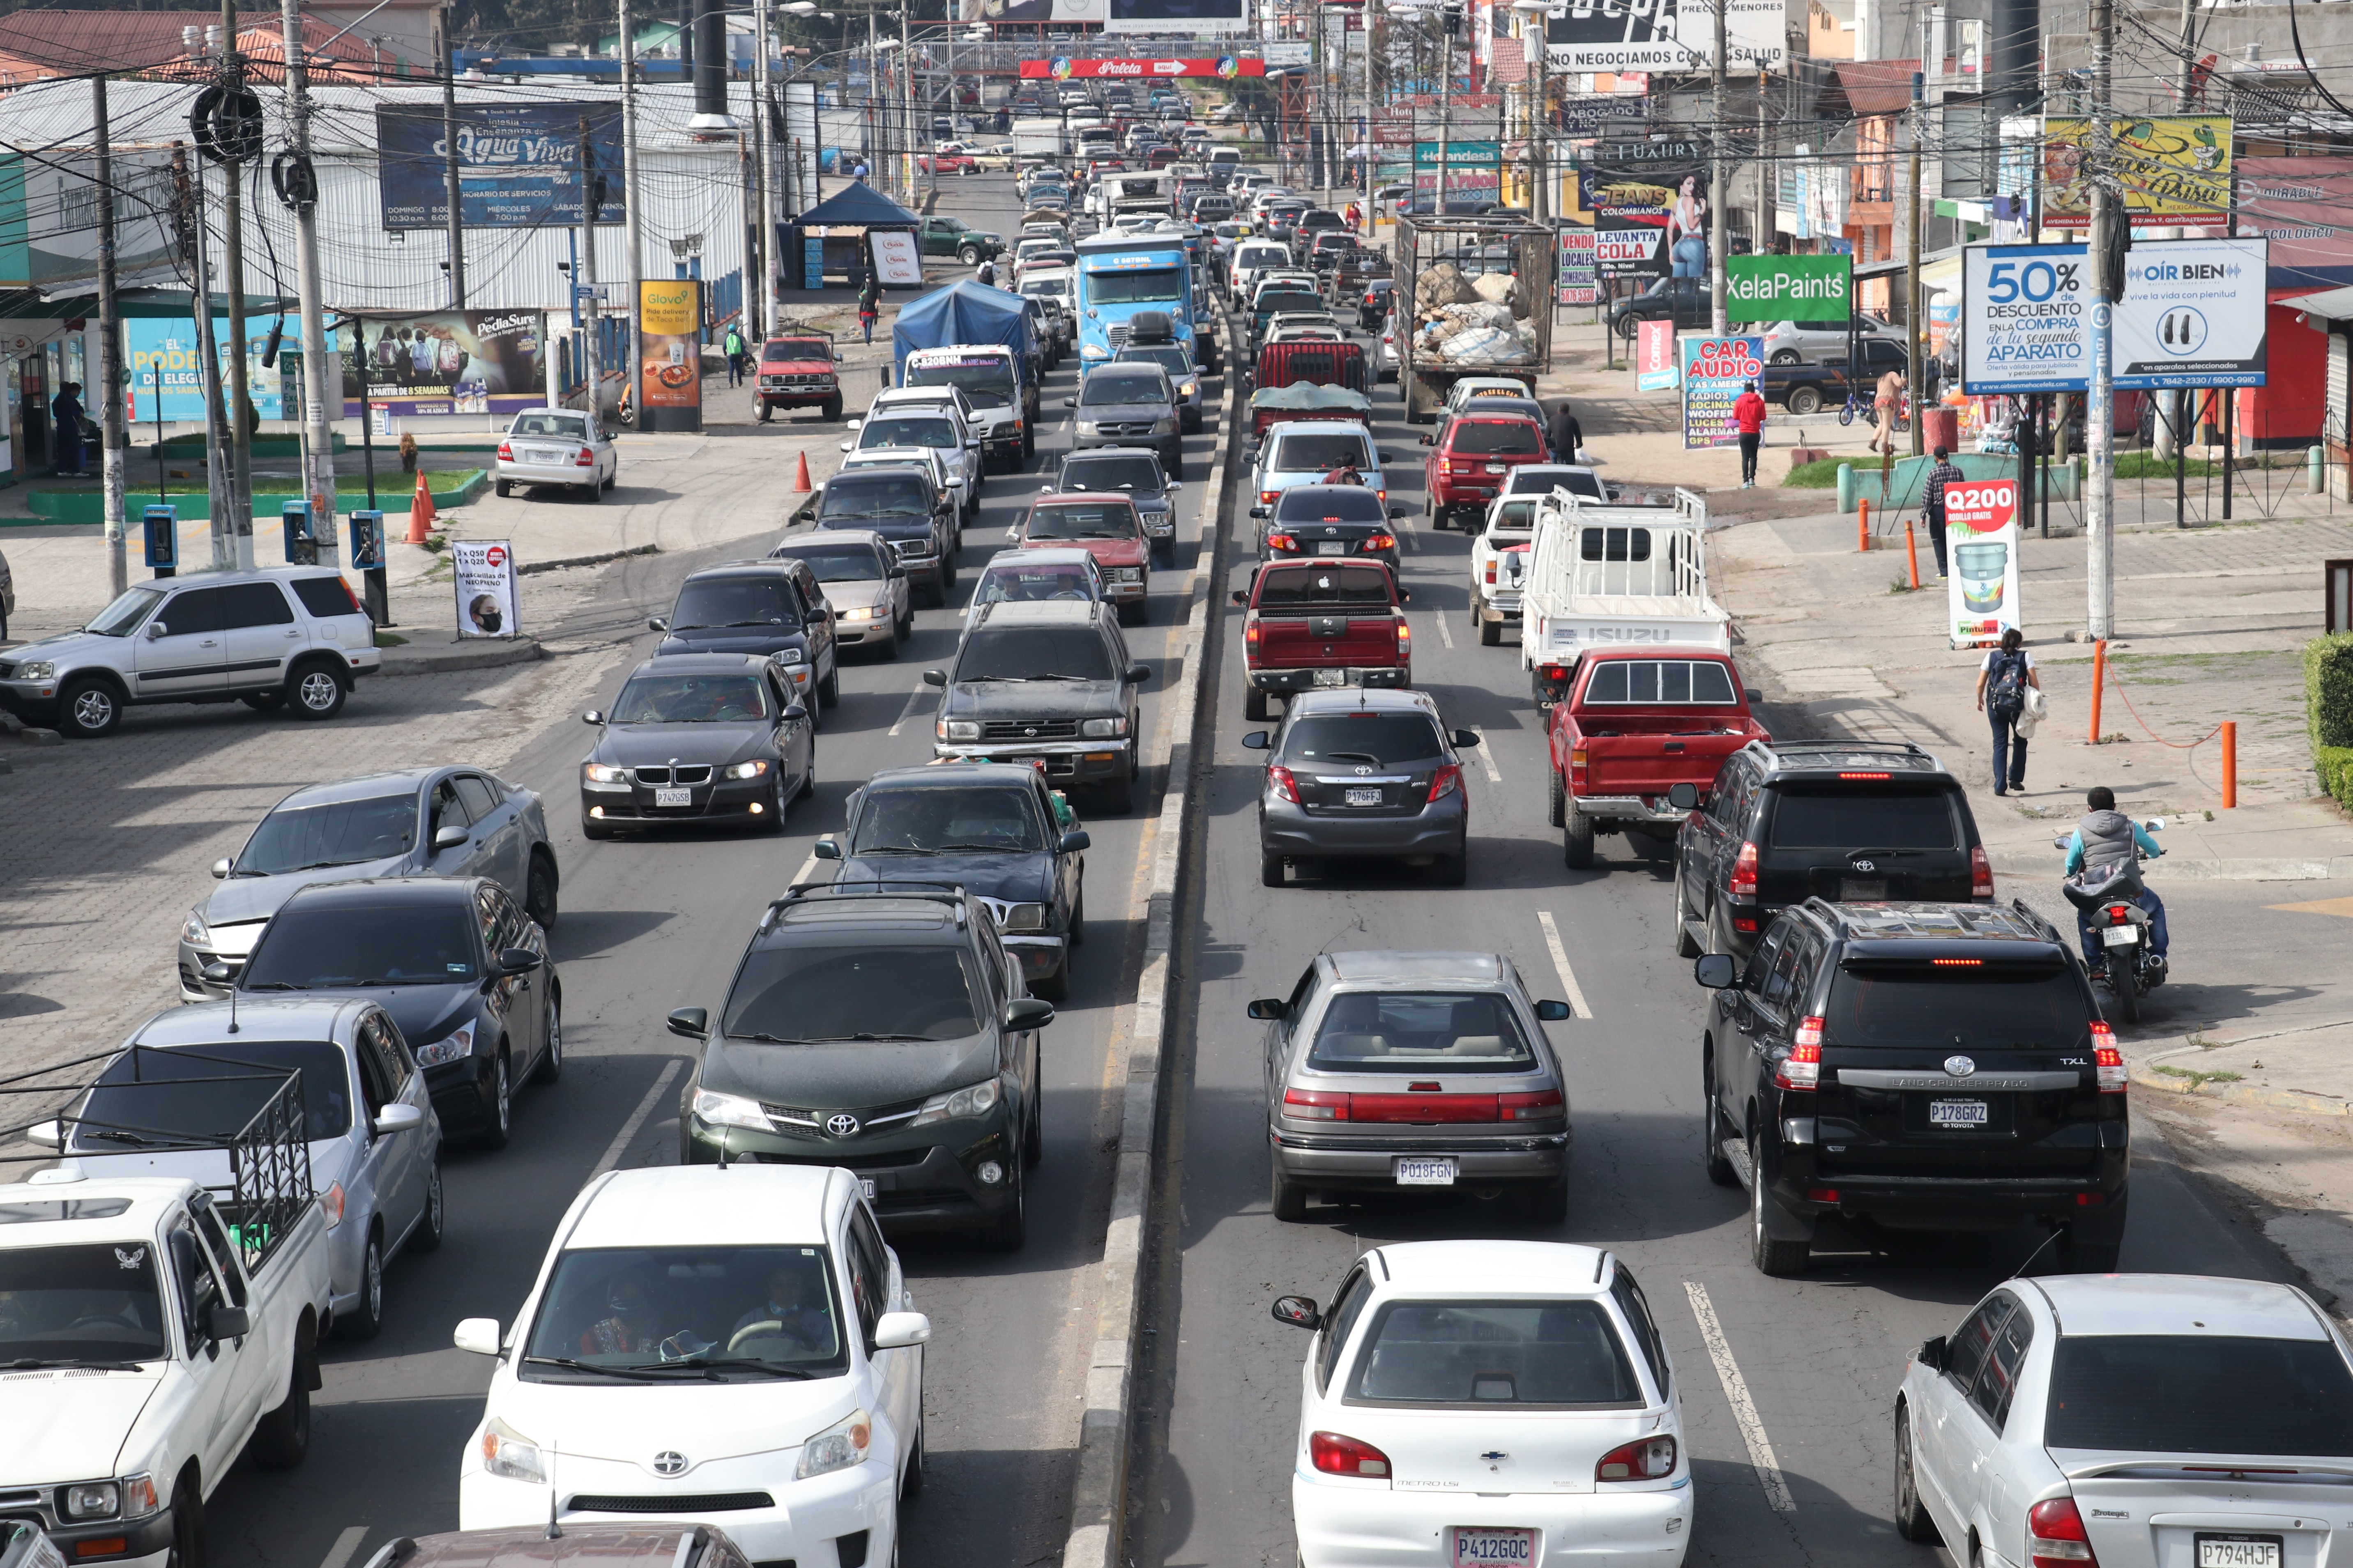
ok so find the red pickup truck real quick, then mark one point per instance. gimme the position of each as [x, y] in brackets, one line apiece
[1635, 724]
[1313, 624]
[797, 371]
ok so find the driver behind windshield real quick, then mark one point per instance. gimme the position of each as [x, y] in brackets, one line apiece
[782, 1314]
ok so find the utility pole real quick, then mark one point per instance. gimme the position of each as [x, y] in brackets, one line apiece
[1915, 369]
[630, 200]
[233, 155]
[188, 187]
[907, 100]
[322, 366]
[1445, 115]
[449, 62]
[114, 441]
[585, 280]
[2099, 405]
[1717, 297]
[764, 143]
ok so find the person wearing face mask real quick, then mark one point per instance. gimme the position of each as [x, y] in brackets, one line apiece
[634, 1325]
[781, 1313]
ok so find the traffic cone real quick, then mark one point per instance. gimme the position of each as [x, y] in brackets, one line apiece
[801, 475]
[420, 512]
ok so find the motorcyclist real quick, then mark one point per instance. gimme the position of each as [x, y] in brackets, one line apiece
[2105, 838]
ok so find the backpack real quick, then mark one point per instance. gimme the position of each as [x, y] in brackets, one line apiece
[2006, 686]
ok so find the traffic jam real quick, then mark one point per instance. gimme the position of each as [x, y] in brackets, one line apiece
[1872, 1053]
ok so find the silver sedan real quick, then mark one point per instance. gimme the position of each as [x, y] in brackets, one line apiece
[557, 447]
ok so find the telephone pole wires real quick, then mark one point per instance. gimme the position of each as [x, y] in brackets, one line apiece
[1717, 299]
[449, 162]
[633, 202]
[233, 149]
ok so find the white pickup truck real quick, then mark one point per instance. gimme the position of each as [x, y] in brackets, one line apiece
[152, 1329]
[1614, 576]
[1499, 555]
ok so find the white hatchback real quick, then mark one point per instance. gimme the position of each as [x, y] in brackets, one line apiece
[733, 1346]
[1487, 1404]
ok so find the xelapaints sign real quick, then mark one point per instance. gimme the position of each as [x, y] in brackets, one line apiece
[1787, 287]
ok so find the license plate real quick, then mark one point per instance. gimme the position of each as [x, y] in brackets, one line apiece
[1331, 547]
[1863, 889]
[1496, 468]
[1363, 797]
[673, 798]
[1330, 678]
[1436, 1170]
[1957, 1112]
[538, 455]
[866, 1185]
[1496, 1548]
[2120, 936]
[2239, 1552]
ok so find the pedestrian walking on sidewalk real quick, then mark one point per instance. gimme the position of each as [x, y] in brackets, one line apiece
[1884, 403]
[1564, 435]
[870, 304]
[734, 348]
[65, 411]
[1748, 414]
[2003, 681]
[1932, 500]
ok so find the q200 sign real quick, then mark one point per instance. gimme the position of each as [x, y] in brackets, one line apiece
[1716, 371]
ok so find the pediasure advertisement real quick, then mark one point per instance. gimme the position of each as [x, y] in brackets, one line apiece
[1981, 540]
[448, 362]
[1716, 371]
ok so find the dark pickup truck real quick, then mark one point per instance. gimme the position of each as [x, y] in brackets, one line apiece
[1314, 623]
[1805, 389]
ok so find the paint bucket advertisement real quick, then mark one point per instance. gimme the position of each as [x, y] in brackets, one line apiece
[1654, 356]
[1716, 371]
[484, 571]
[1981, 541]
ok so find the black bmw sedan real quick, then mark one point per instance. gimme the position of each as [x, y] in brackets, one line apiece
[699, 738]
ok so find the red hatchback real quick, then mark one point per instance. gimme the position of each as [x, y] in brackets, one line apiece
[1106, 526]
[1469, 458]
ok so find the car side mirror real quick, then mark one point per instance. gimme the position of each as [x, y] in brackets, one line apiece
[220, 972]
[48, 1134]
[838, 356]
[1683, 797]
[826, 849]
[846, 445]
[898, 572]
[1426, 440]
[658, 623]
[448, 838]
[1932, 1353]
[1070, 403]
[1137, 673]
[479, 1335]
[1716, 970]
[854, 424]
[518, 961]
[936, 677]
[1076, 840]
[594, 716]
[1261, 511]
[398, 1119]
[221, 868]
[1173, 486]
[795, 712]
[1241, 597]
[690, 1023]
[1269, 1009]
[1754, 695]
[156, 629]
[899, 1331]
[1299, 1311]
[1027, 1013]
[1553, 1012]
[223, 1322]
[1405, 595]
[1467, 737]
[1396, 511]
[1258, 741]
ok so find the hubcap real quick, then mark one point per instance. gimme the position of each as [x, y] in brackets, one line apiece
[375, 1281]
[92, 710]
[501, 1089]
[318, 689]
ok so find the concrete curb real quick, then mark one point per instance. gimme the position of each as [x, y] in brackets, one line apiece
[444, 659]
[1099, 1487]
[2143, 1072]
[2183, 868]
[532, 568]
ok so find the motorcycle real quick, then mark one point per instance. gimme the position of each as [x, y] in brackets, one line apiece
[2111, 895]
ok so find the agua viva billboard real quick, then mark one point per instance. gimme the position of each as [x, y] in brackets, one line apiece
[1064, 69]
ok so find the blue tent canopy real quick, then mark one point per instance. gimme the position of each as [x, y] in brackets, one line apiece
[858, 204]
[964, 312]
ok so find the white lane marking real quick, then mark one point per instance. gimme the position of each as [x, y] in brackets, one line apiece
[620, 1143]
[907, 712]
[806, 873]
[1744, 1409]
[346, 1545]
[1561, 963]
[1446, 636]
[1486, 750]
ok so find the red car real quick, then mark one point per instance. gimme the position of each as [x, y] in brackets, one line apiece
[1468, 459]
[798, 372]
[1104, 525]
[947, 162]
[1637, 722]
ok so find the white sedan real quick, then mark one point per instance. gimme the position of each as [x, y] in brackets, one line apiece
[2131, 1421]
[557, 447]
[1487, 1404]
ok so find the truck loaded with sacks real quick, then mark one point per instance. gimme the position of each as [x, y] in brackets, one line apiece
[1473, 292]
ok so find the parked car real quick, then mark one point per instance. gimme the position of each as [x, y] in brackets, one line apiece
[1129, 405]
[906, 505]
[1051, 682]
[417, 822]
[772, 608]
[1794, 343]
[1135, 473]
[1805, 388]
[864, 584]
[1363, 773]
[953, 236]
[1311, 624]
[562, 448]
[1685, 301]
[1328, 521]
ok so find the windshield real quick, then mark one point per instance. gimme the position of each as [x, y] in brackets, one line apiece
[1050, 286]
[797, 349]
[94, 1303]
[344, 833]
[122, 618]
[711, 602]
[1383, 739]
[1143, 286]
[1976, 1006]
[849, 495]
[1495, 437]
[1033, 584]
[847, 564]
[1840, 818]
[907, 430]
[207, 1094]
[1316, 586]
[802, 996]
[691, 699]
[1034, 653]
[1112, 474]
[1672, 680]
[1330, 503]
[1495, 1352]
[761, 1309]
[988, 384]
[2200, 1394]
[1103, 387]
[563, 426]
[1082, 520]
[1404, 1031]
[1174, 358]
[1276, 301]
[902, 821]
[1321, 452]
[336, 949]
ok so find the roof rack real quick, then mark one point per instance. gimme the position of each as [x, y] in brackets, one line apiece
[948, 894]
[1777, 755]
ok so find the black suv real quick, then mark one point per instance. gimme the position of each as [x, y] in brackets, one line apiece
[1791, 820]
[1923, 1066]
[1685, 301]
[1051, 682]
[882, 1027]
[996, 832]
[773, 608]
[906, 507]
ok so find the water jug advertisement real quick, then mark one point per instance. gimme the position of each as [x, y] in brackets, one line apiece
[1981, 540]
[484, 571]
[1716, 371]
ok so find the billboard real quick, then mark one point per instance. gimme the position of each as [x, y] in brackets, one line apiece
[1982, 537]
[1200, 18]
[2026, 319]
[2304, 207]
[518, 163]
[1716, 371]
[670, 319]
[1654, 356]
[1665, 35]
[1066, 68]
[1788, 287]
[2192, 315]
[1576, 268]
[448, 362]
[160, 345]
[1648, 223]
[2175, 169]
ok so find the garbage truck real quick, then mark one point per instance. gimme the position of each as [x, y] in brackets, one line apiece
[1472, 299]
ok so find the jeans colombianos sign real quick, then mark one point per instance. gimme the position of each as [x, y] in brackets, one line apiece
[1981, 541]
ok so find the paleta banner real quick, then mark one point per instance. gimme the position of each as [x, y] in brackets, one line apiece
[1064, 69]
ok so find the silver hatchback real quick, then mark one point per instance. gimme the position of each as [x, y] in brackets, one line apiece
[562, 447]
[1388, 1071]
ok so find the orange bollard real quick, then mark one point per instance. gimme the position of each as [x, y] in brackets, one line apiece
[1862, 525]
[800, 476]
[420, 512]
[1911, 555]
[2099, 680]
[2230, 763]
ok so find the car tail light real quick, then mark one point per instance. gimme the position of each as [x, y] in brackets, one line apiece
[506, 452]
[1381, 542]
[1270, 497]
[1821, 1194]
[2055, 1537]
[1315, 1105]
[2108, 1062]
[1648, 1459]
[1281, 541]
[1536, 1105]
[1446, 465]
[1801, 1069]
[1250, 635]
[585, 459]
[1980, 873]
[1404, 636]
[1743, 873]
[1490, 573]
[1279, 781]
[1337, 1455]
[1866, 775]
[1555, 672]
[1446, 781]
